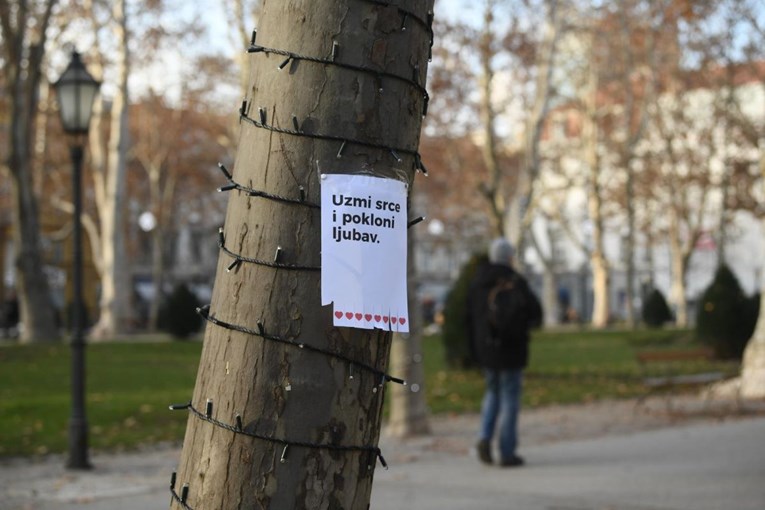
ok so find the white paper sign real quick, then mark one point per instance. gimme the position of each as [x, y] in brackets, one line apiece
[363, 251]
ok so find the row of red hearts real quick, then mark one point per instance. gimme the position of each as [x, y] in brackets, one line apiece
[368, 317]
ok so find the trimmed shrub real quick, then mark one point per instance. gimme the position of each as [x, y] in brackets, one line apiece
[454, 331]
[178, 315]
[655, 309]
[725, 320]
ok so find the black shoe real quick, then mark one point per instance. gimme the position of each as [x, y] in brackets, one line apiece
[513, 461]
[484, 451]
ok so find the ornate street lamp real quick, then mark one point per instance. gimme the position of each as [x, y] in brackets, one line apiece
[76, 90]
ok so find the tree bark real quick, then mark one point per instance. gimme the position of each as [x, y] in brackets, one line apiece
[408, 409]
[22, 60]
[157, 275]
[280, 390]
[600, 267]
[492, 189]
[523, 200]
[682, 217]
[629, 256]
[634, 122]
[552, 312]
[36, 307]
[600, 290]
[678, 290]
[115, 289]
[753, 366]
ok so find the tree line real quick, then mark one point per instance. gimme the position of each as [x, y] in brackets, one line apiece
[153, 143]
[584, 120]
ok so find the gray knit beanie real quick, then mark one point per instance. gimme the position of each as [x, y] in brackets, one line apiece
[500, 251]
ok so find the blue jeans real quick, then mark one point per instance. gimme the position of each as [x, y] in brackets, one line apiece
[502, 399]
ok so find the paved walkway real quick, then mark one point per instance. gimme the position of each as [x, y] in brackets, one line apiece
[602, 456]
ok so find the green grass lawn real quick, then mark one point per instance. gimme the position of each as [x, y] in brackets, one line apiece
[129, 387]
[130, 384]
[568, 367]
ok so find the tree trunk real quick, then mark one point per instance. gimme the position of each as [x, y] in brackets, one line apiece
[3, 244]
[154, 172]
[753, 367]
[281, 391]
[35, 305]
[523, 201]
[552, 312]
[550, 296]
[629, 256]
[634, 122]
[601, 309]
[115, 287]
[23, 47]
[157, 274]
[491, 189]
[600, 290]
[409, 410]
[677, 292]
[241, 18]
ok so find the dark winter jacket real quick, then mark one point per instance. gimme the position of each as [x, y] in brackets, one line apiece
[512, 350]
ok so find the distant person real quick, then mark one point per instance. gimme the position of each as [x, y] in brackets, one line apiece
[501, 311]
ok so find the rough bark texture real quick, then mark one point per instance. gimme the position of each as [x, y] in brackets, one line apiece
[280, 390]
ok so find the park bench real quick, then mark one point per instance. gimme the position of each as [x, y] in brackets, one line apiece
[699, 353]
[663, 383]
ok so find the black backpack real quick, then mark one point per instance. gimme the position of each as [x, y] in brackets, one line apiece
[506, 304]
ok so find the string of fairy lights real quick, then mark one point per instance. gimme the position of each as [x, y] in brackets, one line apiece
[344, 141]
[261, 332]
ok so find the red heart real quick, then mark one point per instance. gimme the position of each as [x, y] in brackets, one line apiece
[394, 320]
[358, 316]
[339, 315]
[377, 318]
[402, 320]
[349, 315]
[368, 317]
[385, 320]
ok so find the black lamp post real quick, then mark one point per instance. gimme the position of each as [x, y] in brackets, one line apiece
[76, 90]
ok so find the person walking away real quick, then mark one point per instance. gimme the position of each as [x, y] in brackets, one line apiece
[501, 310]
